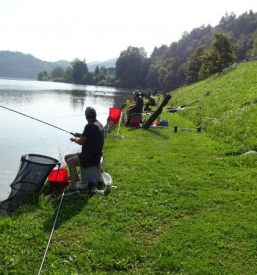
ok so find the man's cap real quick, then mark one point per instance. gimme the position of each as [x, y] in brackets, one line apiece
[90, 111]
[136, 92]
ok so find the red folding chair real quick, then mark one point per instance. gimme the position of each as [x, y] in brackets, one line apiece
[114, 115]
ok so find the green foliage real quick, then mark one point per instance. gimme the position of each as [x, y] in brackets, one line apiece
[100, 77]
[194, 65]
[58, 72]
[44, 76]
[131, 67]
[97, 71]
[216, 57]
[102, 68]
[79, 70]
[220, 56]
[88, 79]
[110, 81]
[68, 75]
[195, 56]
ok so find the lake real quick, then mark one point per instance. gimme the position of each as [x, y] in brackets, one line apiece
[59, 104]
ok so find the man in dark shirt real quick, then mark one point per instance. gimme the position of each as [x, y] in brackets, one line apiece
[92, 141]
[150, 102]
[137, 108]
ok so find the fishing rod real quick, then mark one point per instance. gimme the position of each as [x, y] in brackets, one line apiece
[37, 120]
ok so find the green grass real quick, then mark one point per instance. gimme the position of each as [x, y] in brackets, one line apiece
[185, 202]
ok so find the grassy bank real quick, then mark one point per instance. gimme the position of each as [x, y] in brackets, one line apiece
[184, 203]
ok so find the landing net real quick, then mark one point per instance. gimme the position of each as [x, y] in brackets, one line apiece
[33, 172]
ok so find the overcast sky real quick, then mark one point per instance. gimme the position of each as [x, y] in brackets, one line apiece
[98, 30]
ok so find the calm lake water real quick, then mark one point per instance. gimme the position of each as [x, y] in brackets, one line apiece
[59, 104]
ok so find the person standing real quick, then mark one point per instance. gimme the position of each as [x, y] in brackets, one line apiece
[92, 141]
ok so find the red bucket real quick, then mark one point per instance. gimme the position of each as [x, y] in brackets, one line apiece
[59, 178]
[135, 121]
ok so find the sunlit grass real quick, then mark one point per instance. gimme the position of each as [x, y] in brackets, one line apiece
[185, 202]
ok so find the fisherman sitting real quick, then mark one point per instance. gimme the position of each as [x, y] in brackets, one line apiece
[150, 102]
[137, 108]
[91, 141]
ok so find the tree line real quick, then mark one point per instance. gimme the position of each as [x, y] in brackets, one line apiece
[196, 56]
[78, 73]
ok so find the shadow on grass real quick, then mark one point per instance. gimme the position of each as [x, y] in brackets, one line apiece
[154, 130]
[158, 131]
[70, 207]
[49, 204]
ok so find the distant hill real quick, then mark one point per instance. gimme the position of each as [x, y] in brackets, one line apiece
[19, 65]
[107, 64]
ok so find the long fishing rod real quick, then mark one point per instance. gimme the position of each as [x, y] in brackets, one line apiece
[37, 120]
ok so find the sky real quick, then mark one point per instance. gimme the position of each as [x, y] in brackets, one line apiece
[99, 30]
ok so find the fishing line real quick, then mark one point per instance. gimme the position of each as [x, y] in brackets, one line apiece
[56, 216]
[37, 120]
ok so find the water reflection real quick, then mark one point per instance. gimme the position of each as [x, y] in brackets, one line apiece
[59, 104]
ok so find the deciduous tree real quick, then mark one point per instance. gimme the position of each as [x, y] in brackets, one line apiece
[131, 67]
[79, 70]
[58, 72]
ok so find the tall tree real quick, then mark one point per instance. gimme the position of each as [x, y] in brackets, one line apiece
[44, 76]
[194, 65]
[68, 75]
[79, 70]
[97, 71]
[220, 56]
[152, 77]
[88, 79]
[131, 68]
[225, 50]
[58, 72]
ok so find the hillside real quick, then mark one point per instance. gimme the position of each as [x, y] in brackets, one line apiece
[185, 202]
[19, 65]
[225, 104]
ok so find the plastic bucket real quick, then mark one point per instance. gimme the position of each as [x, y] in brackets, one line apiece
[135, 121]
[164, 123]
[59, 178]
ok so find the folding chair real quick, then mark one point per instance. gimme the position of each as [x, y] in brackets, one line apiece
[113, 118]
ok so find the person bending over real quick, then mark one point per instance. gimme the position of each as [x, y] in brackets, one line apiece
[150, 102]
[137, 108]
[92, 141]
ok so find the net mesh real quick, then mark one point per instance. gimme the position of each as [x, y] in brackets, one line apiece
[33, 172]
